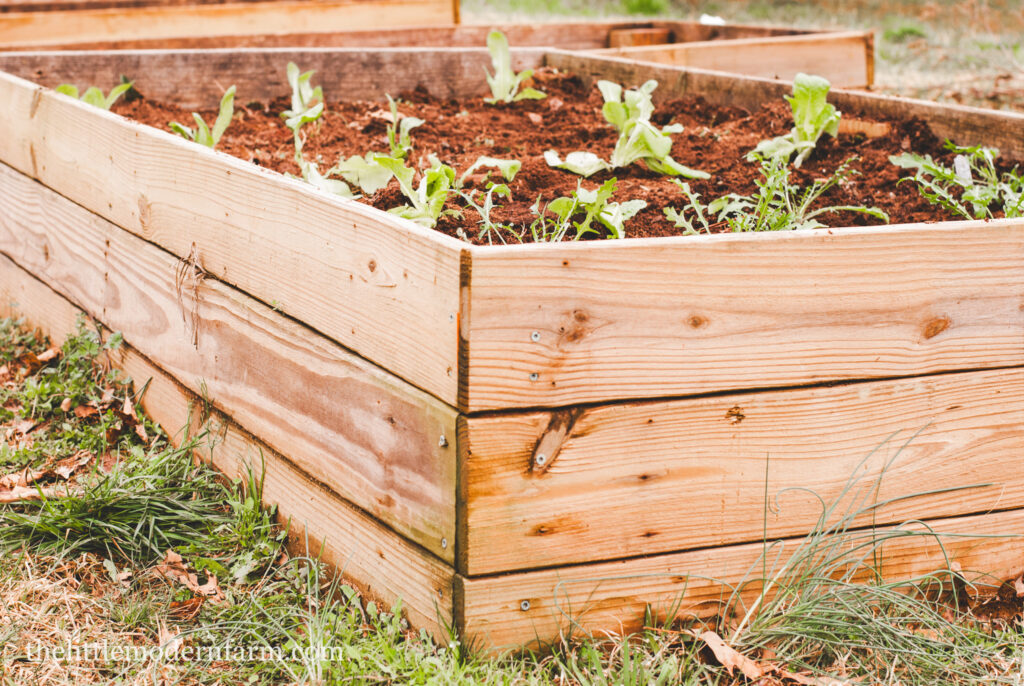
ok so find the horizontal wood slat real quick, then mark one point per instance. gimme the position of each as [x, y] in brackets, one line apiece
[371, 438]
[381, 286]
[641, 478]
[531, 607]
[39, 29]
[374, 558]
[700, 314]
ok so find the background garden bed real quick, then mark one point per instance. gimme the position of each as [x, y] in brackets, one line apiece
[410, 382]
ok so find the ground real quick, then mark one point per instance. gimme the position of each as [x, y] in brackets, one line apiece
[119, 538]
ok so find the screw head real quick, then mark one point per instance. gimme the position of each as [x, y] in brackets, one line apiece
[444, 543]
[451, 316]
[534, 376]
[535, 336]
[524, 605]
[541, 460]
[442, 442]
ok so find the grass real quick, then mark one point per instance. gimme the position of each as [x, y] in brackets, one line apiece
[88, 565]
[923, 49]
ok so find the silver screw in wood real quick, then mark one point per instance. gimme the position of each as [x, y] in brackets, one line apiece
[525, 605]
[534, 376]
[442, 442]
[451, 316]
[541, 460]
[535, 336]
[444, 543]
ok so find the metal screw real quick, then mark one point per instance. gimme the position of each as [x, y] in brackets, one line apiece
[440, 593]
[525, 605]
[442, 442]
[451, 316]
[534, 376]
[444, 543]
[541, 460]
[535, 336]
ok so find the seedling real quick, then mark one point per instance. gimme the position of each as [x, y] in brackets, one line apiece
[307, 101]
[973, 177]
[594, 205]
[94, 96]
[398, 131]
[488, 228]
[203, 134]
[311, 175]
[426, 200]
[629, 111]
[507, 168]
[505, 82]
[777, 205]
[813, 117]
[364, 172]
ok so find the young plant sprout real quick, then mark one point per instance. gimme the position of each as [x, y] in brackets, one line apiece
[813, 117]
[426, 200]
[94, 96]
[203, 134]
[399, 139]
[629, 111]
[322, 182]
[594, 205]
[307, 101]
[973, 177]
[365, 172]
[483, 204]
[505, 82]
[777, 205]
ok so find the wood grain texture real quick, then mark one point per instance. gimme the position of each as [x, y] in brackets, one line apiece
[964, 125]
[372, 438]
[642, 478]
[379, 285]
[375, 559]
[40, 29]
[842, 58]
[700, 314]
[612, 597]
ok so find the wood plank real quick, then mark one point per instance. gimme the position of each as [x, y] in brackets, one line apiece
[381, 286]
[38, 29]
[372, 438]
[534, 607]
[627, 38]
[964, 125]
[700, 314]
[381, 563]
[635, 479]
[842, 58]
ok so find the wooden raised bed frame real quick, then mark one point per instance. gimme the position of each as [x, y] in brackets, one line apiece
[402, 385]
[846, 58]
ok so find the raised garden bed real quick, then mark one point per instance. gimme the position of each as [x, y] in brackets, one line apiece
[846, 58]
[403, 385]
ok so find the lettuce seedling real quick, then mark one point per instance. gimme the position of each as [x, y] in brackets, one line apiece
[813, 117]
[427, 200]
[94, 96]
[307, 101]
[776, 205]
[311, 175]
[507, 168]
[973, 177]
[629, 111]
[365, 172]
[399, 139]
[505, 82]
[203, 134]
[594, 205]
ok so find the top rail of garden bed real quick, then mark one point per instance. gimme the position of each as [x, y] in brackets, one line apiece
[490, 328]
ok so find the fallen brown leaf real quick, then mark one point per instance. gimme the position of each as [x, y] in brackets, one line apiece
[185, 610]
[48, 355]
[173, 567]
[86, 411]
[730, 658]
[69, 465]
[21, 494]
[65, 405]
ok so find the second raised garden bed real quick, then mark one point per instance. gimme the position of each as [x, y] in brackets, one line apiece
[525, 438]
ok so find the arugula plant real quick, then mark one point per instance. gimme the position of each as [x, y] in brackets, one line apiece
[203, 134]
[483, 203]
[776, 205]
[94, 96]
[594, 206]
[971, 187]
[307, 102]
[399, 139]
[629, 111]
[813, 116]
[505, 82]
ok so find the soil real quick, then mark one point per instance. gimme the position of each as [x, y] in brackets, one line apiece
[715, 139]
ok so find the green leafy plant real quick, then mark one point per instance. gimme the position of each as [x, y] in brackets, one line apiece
[813, 116]
[505, 82]
[323, 182]
[428, 198]
[203, 134]
[776, 205]
[594, 206]
[507, 168]
[629, 111]
[364, 171]
[483, 203]
[971, 187]
[307, 102]
[399, 139]
[94, 96]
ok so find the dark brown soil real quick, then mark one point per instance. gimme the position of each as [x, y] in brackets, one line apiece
[715, 140]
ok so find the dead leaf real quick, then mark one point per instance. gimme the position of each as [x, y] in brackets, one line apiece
[186, 610]
[169, 639]
[173, 567]
[535, 118]
[69, 465]
[85, 411]
[48, 355]
[65, 405]
[729, 658]
[21, 494]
